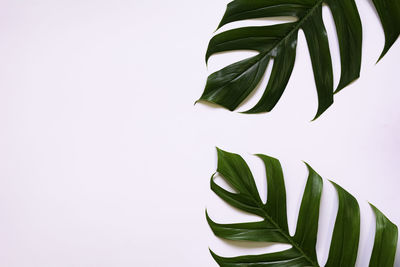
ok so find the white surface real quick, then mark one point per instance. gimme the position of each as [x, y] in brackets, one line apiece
[105, 161]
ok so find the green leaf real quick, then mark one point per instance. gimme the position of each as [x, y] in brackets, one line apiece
[388, 11]
[274, 227]
[347, 226]
[386, 235]
[230, 86]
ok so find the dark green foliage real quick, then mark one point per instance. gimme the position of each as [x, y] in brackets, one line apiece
[274, 226]
[230, 86]
[386, 236]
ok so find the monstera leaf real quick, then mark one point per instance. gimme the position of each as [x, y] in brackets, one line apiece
[231, 85]
[274, 226]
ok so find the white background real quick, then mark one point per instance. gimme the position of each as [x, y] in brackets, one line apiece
[105, 161]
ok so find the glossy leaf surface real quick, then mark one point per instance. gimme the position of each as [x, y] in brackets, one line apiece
[386, 236]
[274, 227]
[230, 86]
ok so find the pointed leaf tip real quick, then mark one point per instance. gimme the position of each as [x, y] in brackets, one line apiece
[385, 243]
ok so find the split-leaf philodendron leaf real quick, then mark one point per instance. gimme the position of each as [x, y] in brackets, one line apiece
[230, 86]
[274, 226]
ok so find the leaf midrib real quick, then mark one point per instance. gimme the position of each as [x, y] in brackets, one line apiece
[296, 27]
[278, 43]
[288, 237]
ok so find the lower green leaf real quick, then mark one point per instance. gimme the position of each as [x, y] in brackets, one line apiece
[386, 236]
[274, 228]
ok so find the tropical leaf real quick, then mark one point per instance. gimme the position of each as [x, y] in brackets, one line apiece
[230, 86]
[386, 236]
[274, 226]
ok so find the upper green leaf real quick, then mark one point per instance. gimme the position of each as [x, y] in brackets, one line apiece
[274, 227]
[230, 86]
